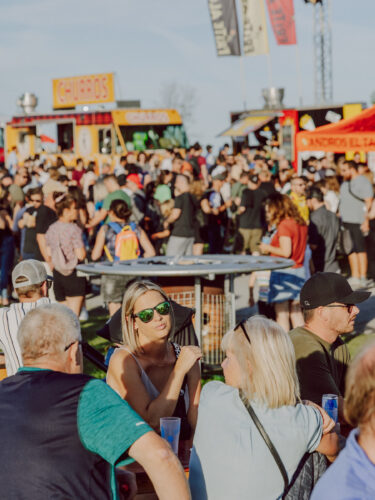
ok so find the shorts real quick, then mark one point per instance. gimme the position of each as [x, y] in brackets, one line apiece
[358, 240]
[68, 286]
[286, 284]
[251, 239]
[113, 287]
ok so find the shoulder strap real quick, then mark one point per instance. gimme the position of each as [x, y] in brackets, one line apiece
[269, 443]
[354, 195]
[115, 226]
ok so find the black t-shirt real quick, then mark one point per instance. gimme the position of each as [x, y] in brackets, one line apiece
[185, 224]
[215, 200]
[30, 244]
[44, 218]
[252, 217]
[268, 187]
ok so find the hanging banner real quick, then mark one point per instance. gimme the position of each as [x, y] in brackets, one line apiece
[255, 38]
[224, 23]
[281, 14]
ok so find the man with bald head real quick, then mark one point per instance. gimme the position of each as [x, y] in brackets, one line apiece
[182, 219]
[63, 433]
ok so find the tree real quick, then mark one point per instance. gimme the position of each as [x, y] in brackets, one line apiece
[180, 97]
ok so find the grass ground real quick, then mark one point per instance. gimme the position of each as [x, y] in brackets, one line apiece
[98, 318]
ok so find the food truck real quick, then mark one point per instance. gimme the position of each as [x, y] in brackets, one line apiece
[279, 127]
[82, 125]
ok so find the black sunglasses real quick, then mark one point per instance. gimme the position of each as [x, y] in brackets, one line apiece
[146, 315]
[71, 343]
[242, 326]
[349, 307]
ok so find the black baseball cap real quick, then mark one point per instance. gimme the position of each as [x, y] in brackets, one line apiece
[324, 288]
[254, 179]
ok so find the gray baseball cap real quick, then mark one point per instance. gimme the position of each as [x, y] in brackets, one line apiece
[31, 269]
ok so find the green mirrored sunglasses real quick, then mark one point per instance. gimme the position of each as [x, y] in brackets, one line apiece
[146, 315]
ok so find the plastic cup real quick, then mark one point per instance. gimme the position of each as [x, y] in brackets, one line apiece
[170, 431]
[330, 403]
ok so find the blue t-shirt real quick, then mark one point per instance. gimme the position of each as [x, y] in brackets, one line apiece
[229, 457]
[350, 477]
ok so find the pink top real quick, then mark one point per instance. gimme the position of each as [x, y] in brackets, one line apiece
[66, 234]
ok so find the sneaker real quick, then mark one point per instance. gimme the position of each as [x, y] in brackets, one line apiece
[84, 316]
[355, 282]
[366, 283]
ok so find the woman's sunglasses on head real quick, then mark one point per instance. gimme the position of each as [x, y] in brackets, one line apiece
[146, 315]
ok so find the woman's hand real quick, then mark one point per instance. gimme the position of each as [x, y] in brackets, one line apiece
[188, 356]
[264, 248]
[328, 422]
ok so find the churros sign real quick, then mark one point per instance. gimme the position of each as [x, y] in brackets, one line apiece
[88, 89]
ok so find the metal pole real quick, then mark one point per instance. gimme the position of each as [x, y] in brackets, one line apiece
[299, 78]
[198, 308]
[269, 68]
[243, 82]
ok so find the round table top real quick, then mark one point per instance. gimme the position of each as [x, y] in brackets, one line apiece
[202, 265]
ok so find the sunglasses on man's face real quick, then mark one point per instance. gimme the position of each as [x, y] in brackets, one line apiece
[146, 315]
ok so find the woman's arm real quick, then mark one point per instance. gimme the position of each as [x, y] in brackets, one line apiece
[124, 377]
[284, 250]
[148, 249]
[194, 388]
[329, 445]
[99, 245]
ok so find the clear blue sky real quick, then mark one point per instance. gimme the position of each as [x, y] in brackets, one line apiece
[150, 42]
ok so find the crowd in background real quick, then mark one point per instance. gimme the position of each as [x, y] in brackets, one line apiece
[178, 203]
[53, 217]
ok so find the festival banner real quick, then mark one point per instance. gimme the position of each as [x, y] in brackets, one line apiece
[255, 38]
[281, 14]
[225, 26]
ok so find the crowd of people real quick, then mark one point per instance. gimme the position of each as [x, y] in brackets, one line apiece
[177, 204]
[262, 433]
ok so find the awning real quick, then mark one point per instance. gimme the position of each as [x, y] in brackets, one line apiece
[352, 134]
[244, 126]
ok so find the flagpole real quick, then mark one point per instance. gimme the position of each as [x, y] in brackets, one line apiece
[299, 77]
[269, 67]
[243, 82]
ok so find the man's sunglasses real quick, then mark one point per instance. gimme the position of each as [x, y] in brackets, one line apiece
[242, 326]
[146, 315]
[349, 307]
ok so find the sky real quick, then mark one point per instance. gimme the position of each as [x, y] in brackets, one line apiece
[152, 43]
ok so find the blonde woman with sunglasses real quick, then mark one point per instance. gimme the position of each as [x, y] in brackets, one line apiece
[155, 376]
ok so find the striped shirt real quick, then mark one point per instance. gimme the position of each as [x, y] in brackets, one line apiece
[10, 319]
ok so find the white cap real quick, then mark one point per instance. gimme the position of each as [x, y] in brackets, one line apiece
[32, 270]
[166, 164]
[219, 172]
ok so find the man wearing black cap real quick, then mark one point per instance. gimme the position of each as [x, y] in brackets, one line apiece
[329, 308]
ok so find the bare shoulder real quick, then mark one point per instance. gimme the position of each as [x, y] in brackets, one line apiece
[120, 359]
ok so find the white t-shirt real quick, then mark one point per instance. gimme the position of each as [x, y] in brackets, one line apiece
[10, 319]
[230, 460]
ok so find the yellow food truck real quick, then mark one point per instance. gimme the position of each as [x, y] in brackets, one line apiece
[101, 135]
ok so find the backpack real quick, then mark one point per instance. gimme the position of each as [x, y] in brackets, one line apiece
[126, 243]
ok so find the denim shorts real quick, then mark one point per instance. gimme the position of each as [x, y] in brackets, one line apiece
[286, 284]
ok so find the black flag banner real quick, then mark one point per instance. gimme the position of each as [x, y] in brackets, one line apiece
[225, 25]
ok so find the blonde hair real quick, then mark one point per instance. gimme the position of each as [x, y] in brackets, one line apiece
[47, 330]
[359, 406]
[131, 295]
[268, 363]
